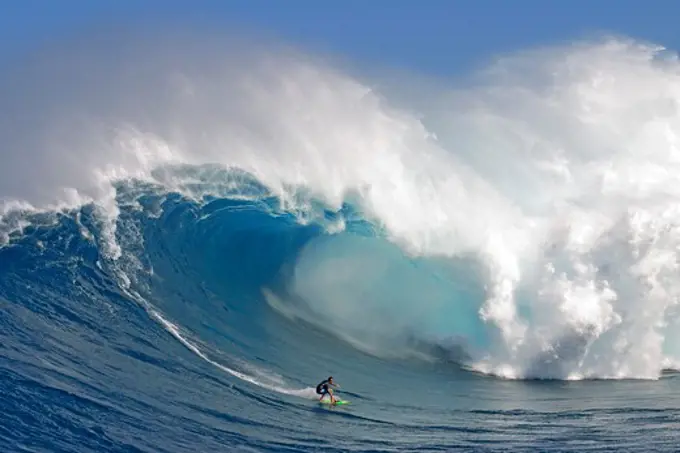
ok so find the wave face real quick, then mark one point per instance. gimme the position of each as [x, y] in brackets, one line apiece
[191, 204]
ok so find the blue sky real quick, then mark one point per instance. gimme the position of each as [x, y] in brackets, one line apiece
[436, 36]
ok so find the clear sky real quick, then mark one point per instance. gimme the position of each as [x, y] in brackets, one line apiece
[436, 36]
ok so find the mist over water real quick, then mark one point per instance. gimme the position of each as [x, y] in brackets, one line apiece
[530, 216]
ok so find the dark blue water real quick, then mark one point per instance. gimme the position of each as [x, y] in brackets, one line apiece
[177, 345]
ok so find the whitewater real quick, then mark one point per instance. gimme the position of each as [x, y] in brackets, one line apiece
[195, 230]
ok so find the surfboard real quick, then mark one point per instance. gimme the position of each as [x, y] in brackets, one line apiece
[337, 402]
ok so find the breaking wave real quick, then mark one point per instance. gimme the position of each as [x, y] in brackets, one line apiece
[523, 223]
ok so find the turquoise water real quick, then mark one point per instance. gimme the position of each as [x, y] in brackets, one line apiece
[88, 366]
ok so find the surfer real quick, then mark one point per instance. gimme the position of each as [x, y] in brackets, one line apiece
[322, 389]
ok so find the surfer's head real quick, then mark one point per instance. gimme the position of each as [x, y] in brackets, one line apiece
[330, 378]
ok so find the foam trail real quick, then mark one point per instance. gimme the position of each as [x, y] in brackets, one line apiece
[308, 393]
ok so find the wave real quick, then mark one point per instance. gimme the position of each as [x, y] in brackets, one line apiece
[523, 224]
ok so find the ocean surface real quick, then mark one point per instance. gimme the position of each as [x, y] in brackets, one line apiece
[193, 236]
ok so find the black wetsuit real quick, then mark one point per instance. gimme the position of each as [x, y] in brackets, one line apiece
[322, 388]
